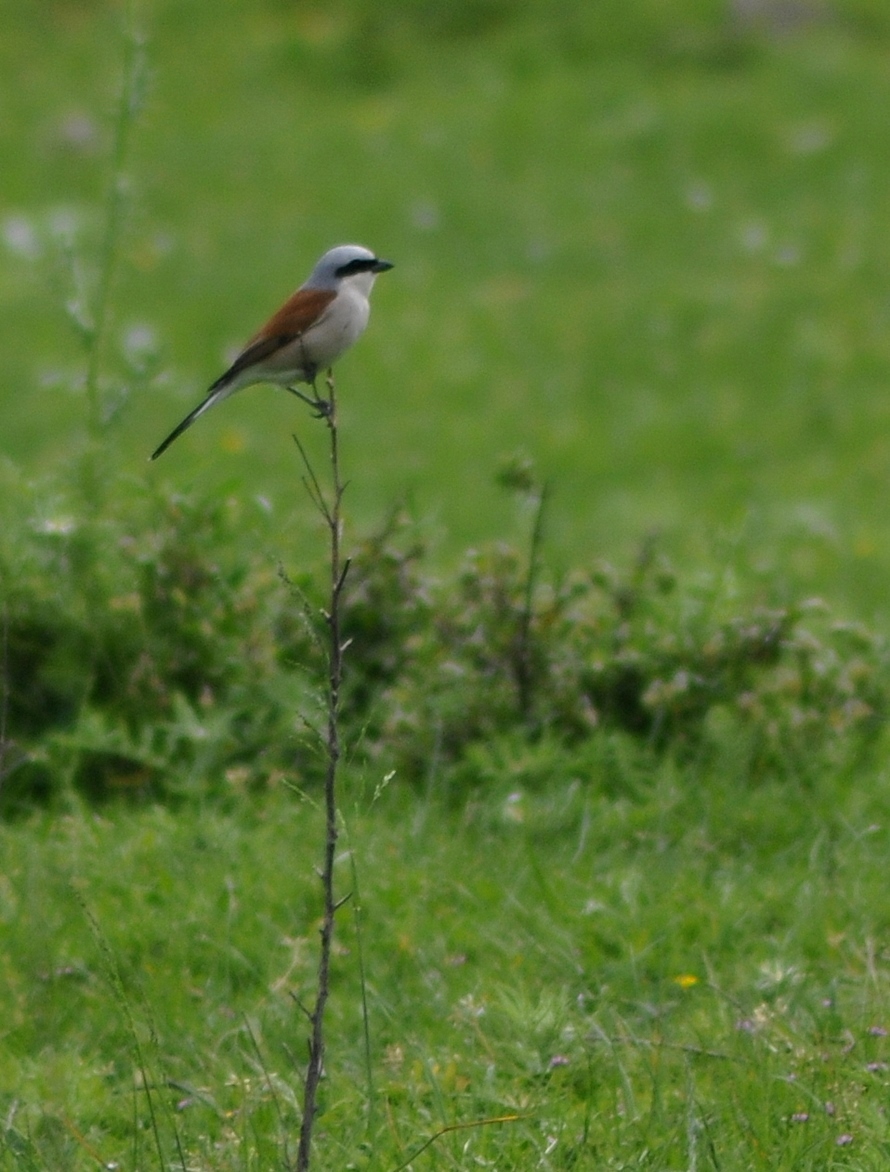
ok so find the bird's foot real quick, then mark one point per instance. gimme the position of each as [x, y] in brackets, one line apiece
[320, 406]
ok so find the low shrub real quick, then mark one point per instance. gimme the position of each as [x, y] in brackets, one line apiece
[674, 666]
[147, 653]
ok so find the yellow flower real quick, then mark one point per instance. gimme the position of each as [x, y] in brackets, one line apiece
[686, 980]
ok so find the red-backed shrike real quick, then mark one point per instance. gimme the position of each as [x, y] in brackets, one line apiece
[310, 331]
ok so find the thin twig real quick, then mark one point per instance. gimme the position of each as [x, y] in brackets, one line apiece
[523, 665]
[357, 910]
[680, 1047]
[457, 1127]
[330, 509]
[129, 102]
[311, 484]
[115, 981]
[268, 1077]
[4, 692]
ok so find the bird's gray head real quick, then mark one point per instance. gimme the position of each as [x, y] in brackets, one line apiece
[347, 262]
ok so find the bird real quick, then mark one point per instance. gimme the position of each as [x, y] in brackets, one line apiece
[318, 323]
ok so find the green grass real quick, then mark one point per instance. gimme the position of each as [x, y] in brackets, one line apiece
[650, 249]
[661, 965]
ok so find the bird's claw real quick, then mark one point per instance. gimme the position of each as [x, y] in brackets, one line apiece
[320, 406]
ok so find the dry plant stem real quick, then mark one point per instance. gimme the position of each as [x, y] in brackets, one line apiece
[524, 668]
[330, 509]
[129, 103]
[4, 693]
[473, 1123]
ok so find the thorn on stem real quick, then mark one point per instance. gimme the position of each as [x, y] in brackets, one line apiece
[299, 1002]
[342, 579]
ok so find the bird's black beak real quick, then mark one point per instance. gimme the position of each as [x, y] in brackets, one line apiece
[381, 266]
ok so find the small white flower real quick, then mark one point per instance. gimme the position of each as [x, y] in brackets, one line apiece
[21, 237]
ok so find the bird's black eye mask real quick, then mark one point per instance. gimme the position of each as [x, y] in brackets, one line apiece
[370, 264]
[360, 265]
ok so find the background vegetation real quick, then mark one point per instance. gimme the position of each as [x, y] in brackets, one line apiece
[617, 798]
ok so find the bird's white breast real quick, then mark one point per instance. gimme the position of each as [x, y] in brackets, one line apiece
[342, 324]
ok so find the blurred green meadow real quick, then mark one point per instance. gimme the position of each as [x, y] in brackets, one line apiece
[642, 251]
[647, 248]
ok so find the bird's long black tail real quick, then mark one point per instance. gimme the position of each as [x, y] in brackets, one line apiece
[216, 394]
